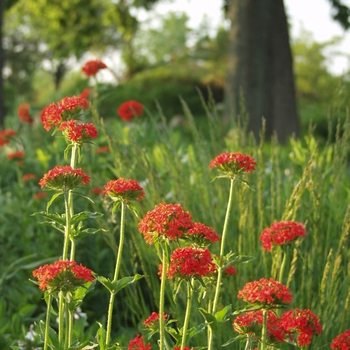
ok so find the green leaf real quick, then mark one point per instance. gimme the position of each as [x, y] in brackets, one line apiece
[234, 339]
[52, 338]
[66, 151]
[55, 196]
[101, 336]
[85, 215]
[59, 219]
[209, 318]
[88, 231]
[115, 286]
[222, 315]
[105, 282]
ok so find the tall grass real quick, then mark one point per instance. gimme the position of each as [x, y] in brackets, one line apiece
[302, 181]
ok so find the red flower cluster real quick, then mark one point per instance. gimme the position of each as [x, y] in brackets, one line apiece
[103, 149]
[151, 321]
[167, 220]
[40, 195]
[302, 322]
[5, 136]
[91, 68]
[230, 271]
[87, 94]
[24, 113]
[62, 275]
[27, 177]
[129, 110]
[64, 177]
[65, 109]
[202, 234]
[342, 341]
[281, 233]
[252, 321]
[124, 190]
[16, 156]
[265, 291]
[233, 163]
[79, 133]
[138, 344]
[191, 262]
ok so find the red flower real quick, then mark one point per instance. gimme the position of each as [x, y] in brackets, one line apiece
[87, 94]
[92, 67]
[79, 133]
[5, 136]
[16, 156]
[202, 234]
[191, 262]
[27, 177]
[130, 109]
[40, 195]
[233, 163]
[62, 275]
[65, 109]
[102, 150]
[267, 292]
[167, 220]
[152, 320]
[251, 323]
[281, 233]
[342, 341]
[24, 113]
[124, 190]
[97, 190]
[64, 177]
[304, 323]
[230, 271]
[138, 344]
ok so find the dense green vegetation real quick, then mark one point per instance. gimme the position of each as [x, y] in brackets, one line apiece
[306, 181]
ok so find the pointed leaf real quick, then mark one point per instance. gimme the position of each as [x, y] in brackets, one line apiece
[101, 336]
[124, 282]
[222, 315]
[52, 200]
[85, 215]
[210, 319]
[60, 219]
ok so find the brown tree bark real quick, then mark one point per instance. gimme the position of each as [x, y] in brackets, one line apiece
[260, 79]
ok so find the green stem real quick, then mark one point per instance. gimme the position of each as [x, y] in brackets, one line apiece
[187, 315]
[264, 330]
[60, 319]
[67, 204]
[161, 301]
[47, 322]
[283, 264]
[70, 327]
[222, 248]
[116, 274]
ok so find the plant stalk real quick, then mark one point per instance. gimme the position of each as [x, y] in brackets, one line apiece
[47, 322]
[116, 274]
[161, 302]
[187, 315]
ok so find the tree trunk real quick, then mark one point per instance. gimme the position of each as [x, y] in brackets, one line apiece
[2, 100]
[260, 78]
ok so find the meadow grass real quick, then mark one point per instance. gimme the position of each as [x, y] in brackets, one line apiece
[305, 181]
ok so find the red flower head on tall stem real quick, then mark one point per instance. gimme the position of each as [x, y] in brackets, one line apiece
[129, 109]
[24, 113]
[281, 233]
[5, 136]
[302, 322]
[138, 344]
[265, 292]
[62, 275]
[64, 178]
[166, 221]
[66, 109]
[124, 190]
[251, 322]
[152, 322]
[92, 67]
[342, 341]
[78, 133]
[189, 262]
[232, 164]
[201, 234]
